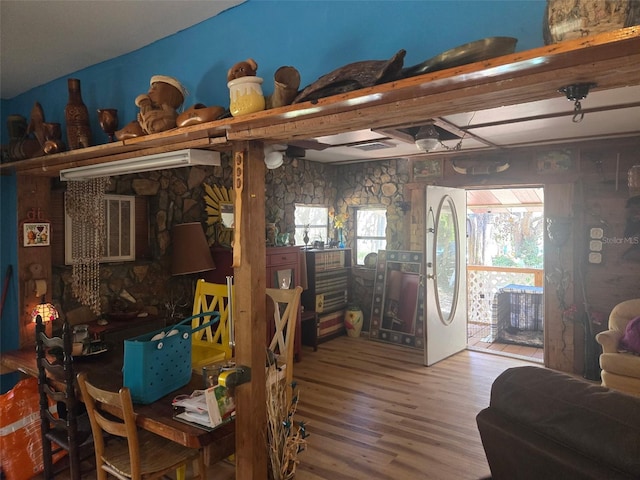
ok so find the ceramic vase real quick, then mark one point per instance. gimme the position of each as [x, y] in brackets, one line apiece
[353, 321]
[77, 118]
[245, 95]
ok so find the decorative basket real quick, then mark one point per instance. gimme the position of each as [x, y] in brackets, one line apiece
[569, 19]
[159, 362]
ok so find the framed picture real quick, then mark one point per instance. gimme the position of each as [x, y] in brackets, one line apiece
[554, 162]
[36, 234]
[427, 169]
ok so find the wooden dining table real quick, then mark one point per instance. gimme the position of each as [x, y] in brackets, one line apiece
[105, 371]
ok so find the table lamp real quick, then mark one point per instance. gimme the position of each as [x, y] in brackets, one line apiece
[191, 252]
[48, 313]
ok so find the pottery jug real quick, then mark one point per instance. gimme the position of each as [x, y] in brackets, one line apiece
[77, 118]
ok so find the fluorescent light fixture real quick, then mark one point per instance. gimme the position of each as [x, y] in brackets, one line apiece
[146, 163]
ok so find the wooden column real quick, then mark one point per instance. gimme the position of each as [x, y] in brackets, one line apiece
[250, 306]
[34, 206]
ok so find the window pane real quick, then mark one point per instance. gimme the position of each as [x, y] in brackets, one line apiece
[317, 220]
[371, 223]
[371, 226]
[365, 247]
[118, 244]
[125, 236]
[113, 228]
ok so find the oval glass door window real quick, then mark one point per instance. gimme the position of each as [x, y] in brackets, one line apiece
[446, 256]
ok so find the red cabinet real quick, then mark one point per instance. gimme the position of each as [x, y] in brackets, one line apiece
[283, 271]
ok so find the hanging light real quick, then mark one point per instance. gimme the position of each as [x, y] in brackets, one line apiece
[427, 138]
[274, 156]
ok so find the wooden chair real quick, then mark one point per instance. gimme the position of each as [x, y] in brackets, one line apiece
[141, 454]
[211, 344]
[286, 303]
[69, 430]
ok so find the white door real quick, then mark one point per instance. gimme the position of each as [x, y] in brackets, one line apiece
[446, 284]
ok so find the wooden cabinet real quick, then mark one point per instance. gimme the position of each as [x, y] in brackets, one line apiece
[283, 271]
[328, 292]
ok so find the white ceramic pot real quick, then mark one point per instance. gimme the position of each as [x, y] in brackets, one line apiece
[245, 95]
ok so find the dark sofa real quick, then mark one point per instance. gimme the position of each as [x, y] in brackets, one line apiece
[545, 425]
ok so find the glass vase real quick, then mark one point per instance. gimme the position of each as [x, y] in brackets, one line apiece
[340, 238]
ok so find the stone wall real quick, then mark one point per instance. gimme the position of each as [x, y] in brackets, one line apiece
[177, 196]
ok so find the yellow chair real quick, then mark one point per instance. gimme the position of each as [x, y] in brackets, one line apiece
[620, 370]
[211, 344]
[137, 454]
[286, 303]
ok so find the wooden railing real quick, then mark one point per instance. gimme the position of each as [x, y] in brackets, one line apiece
[484, 281]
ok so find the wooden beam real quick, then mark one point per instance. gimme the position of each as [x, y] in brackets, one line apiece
[611, 60]
[250, 314]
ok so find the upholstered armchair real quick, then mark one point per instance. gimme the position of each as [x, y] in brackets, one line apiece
[620, 370]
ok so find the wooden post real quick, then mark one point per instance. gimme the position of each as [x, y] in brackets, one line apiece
[34, 197]
[250, 310]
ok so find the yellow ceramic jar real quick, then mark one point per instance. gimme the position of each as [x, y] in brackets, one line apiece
[353, 319]
[245, 95]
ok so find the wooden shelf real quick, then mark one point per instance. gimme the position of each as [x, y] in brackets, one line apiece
[611, 60]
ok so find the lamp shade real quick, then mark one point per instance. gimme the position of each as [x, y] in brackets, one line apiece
[191, 252]
[46, 310]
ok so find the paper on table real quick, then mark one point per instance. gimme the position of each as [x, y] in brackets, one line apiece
[196, 402]
[199, 418]
[209, 407]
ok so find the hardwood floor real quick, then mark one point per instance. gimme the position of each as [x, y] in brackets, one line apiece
[375, 412]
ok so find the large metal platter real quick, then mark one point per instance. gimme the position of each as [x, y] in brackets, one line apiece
[477, 51]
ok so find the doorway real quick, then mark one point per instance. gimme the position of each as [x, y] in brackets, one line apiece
[505, 276]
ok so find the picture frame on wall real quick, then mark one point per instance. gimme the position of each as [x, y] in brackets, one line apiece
[427, 169]
[36, 234]
[554, 162]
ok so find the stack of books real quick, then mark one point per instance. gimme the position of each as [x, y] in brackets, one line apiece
[208, 408]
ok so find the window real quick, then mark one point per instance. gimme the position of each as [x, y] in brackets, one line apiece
[371, 226]
[316, 219]
[119, 244]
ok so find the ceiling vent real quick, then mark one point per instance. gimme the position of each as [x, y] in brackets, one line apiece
[373, 145]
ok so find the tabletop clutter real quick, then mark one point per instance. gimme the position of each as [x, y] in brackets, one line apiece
[159, 362]
[210, 407]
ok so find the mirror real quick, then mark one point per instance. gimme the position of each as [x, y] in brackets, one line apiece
[397, 310]
[226, 215]
[220, 216]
